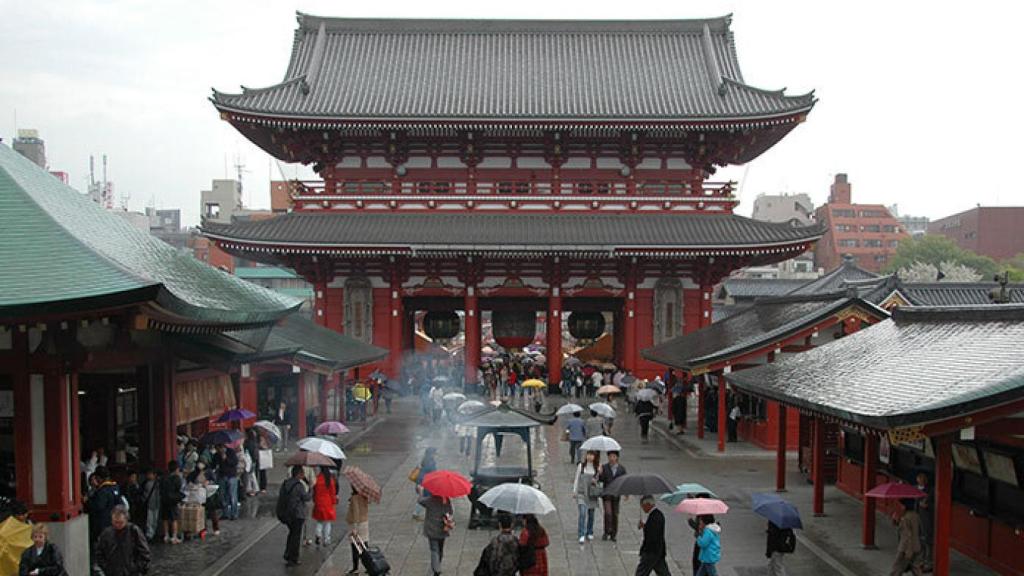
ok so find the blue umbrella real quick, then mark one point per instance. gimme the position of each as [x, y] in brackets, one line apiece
[234, 415]
[688, 490]
[220, 437]
[777, 511]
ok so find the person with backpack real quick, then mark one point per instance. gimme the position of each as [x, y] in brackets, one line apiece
[291, 511]
[171, 495]
[781, 541]
[502, 553]
[106, 496]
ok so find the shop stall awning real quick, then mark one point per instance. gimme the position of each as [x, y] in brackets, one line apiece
[310, 343]
[922, 366]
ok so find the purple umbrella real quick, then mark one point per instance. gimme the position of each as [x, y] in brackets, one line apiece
[220, 437]
[235, 415]
[331, 427]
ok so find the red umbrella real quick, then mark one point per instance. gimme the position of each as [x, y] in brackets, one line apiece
[895, 491]
[447, 484]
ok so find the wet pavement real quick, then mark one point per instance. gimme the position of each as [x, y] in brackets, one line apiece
[828, 545]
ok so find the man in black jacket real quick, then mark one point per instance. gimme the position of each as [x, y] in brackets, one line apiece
[780, 541]
[611, 470]
[291, 510]
[652, 551]
[122, 549]
[101, 502]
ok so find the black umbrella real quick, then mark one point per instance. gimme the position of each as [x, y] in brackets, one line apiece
[638, 485]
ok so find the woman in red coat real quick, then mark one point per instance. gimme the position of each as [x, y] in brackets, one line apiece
[325, 504]
[535, 535]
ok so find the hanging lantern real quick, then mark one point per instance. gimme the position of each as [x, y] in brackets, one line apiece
[441, 325]
[514, 328]
[586, 325]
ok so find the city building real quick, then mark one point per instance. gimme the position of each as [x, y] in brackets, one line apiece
[993, 231]
[783, 208]
[222, 201]
[31, 146]
[280, 195]
[165, 224]
[913, 225]
[564, 196]
[868, 232]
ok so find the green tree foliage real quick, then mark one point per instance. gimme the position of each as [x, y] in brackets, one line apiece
[935, 250]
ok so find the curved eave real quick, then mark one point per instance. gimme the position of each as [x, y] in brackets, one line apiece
[173, 311]
[78, 307]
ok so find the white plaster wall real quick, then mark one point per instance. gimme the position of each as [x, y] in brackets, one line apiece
[72, 537]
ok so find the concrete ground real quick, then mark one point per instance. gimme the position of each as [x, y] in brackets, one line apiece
[394, 445]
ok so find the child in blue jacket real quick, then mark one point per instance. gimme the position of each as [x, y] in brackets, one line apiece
[709, 542]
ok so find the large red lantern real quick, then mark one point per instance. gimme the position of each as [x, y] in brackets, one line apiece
[441, 325]
[514, 328]
[588, 326]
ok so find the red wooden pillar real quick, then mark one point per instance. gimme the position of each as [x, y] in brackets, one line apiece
[629, 323]
[247, 390]
[22, 418]
[721, 413]
[300, 408]
[325, 390]
[780, 451]
[700, 407]
[395, 326]
[870, 472]
[943, 446]
[320, 303]
[818, 466]
[472, 349]
[163, 417]
[554, 348]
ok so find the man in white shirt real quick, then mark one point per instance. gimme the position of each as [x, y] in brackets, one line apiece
[734, 421]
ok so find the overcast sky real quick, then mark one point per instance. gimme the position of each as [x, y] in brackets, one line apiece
[920, 105]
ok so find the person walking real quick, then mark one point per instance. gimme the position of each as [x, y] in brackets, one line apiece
[151, 503]
[100, 503]
[709, 540]
[427, 465]
[781, 541]
[908, 551]
[652, 550]
[533, 540]
[122, 549]
[436, 403]
[577, 430]
[225, 461]
[358, 519]
[291, 511]
[437, 525]
[926, 511]
[502, 553]
[679, 411]
[586, 489]
[734, 420]
[170, 496]
[611, 470]
[42, 558]
[325, 504]
[644, 414]
[594, 425]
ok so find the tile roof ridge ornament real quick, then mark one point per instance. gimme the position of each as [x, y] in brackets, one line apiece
[714, 73]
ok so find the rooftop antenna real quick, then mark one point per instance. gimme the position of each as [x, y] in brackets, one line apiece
[240, 170]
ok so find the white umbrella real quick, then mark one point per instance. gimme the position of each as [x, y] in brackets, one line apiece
[470, 406]
[646, 394]
[569, 409]
[452, 396]
[517, 499]
[273, 433]
[603, 409]
[321, 446]
[601, 444]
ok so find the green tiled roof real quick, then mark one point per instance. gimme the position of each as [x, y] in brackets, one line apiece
[61, 252]
[264, 272]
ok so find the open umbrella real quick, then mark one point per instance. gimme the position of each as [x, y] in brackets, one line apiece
[331, 427]
[638, 485]
[440, 378]
[235, 415]
[363, 483]
[628, 379]
[319, 445]
[701, 506]
[454, 397]
[303, 458]
[646, 395]
[269, 430]
[569, 408]
[608, 389]
[601, 444]
[471, 406]
[603, 409]
[446, 483]
[534, 383]
[517, 499]
[895, 491]
[215, 437]
[684, 491]
[657, 385]
[776, 510]
[571, 361]
[15, 538]
[361, 393]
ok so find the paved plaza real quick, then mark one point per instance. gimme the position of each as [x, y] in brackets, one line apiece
[394, 444]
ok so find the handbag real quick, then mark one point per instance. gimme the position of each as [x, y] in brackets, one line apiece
[266, 459]
[565, 435]
[594, 490]
[414, 475]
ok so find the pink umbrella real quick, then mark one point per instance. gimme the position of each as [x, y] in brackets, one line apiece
[895, 491]
[701, 506]
[331, 427]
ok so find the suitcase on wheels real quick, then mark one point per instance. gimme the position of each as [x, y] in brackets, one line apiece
[193, 518]
[372, 558]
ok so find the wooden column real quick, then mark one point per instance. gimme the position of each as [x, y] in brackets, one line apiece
[870, 472]
[780, 450]
[629, 322]
[320, 303]
[161, 407]
[395, 325]
[818, 466]
[300, 406]
[554, 348]
[943, 446]
[722, 415]
[700, 407]
[472, 349]
[22, 417]
[325, 388]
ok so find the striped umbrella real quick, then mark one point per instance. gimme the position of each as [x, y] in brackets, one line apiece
[363, 483]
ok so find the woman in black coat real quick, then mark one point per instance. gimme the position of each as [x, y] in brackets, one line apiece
[41, 558]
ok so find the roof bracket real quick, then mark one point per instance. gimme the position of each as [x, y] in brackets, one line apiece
[714, 73]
